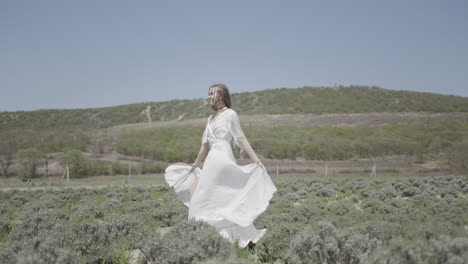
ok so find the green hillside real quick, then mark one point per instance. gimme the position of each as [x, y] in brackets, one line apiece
[353, 99]
[52, 131]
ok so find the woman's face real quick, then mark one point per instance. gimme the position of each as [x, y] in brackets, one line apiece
[212, 97]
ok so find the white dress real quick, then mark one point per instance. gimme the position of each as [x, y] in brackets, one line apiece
[227, 196]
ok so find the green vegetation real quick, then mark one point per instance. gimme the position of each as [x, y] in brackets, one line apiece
[167, 144]
[51, 131]
[97, 182]
[344, 219]
[315, 143]
[54, 131]
[28, 161]
[352, 99]
[46, 140]
[75, 161]
[458, 156]
[79, 166]
[361, 220]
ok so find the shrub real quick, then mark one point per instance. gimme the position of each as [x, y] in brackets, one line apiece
[32, 223]
[458, 157]
[441, 249]
[128, 227]
[388, 191]
[28, 161]
[169, 215]
[231, 260]
[86, 210]
[326, 192]
[111, 204]
[330, 245]
[5, 227]
[275, 242]
[399, 185]
[381, 230]
[3, 209]
[96, 168]
[465, 190]
[38, 250]
[187, 242]
[340, 207]
[152, 167]
[411, 191]
[117, 168]
[76, 162]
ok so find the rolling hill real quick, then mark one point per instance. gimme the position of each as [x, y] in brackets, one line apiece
[323, 123]
[312, 100]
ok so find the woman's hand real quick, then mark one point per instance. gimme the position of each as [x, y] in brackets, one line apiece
[201, 155]
[194, 165]
[260, 164]
[244, 143]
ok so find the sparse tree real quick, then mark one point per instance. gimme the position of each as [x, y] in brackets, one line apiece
[7, 149]
[76, 162]
[5, 163]
[458, 157]
[28, 161]
[47, 157]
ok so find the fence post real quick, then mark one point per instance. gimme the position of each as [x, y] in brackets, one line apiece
[277, 169]
[374, 171]
[129, 170]
[66, 172]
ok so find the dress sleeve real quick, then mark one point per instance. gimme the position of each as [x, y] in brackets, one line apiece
[235, 129]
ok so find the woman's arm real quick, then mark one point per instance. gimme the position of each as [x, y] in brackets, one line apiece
[201, 155]
[244, 143]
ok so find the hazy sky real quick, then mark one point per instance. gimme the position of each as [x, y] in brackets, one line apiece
[81, 54]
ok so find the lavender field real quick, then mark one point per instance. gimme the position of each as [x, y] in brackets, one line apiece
[311, 219]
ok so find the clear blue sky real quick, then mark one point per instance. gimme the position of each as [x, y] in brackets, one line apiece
[81, 54]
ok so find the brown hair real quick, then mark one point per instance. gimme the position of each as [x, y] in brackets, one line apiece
[221, 92]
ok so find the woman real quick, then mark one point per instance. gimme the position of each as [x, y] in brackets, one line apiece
[227, 196]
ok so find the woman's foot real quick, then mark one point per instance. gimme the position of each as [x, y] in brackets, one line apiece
[251, 245]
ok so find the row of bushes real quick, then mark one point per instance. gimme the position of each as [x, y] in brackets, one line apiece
[47, 140]
[166, 144]
[370, 220]
[313, 143]
[325, 143]
[29, 160]
[95, 168]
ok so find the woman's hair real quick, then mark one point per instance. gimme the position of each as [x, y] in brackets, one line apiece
[221, 92]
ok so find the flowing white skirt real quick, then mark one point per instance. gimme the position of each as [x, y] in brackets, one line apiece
[227, 196]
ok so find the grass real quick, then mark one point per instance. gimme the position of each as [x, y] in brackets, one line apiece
[313, 143]
[156, 179]
[94, 181]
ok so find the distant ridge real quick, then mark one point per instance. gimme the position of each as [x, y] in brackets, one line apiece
[318, 100]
